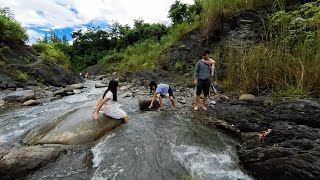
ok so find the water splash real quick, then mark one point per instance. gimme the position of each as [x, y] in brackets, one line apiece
[98, 154]
[205, 164]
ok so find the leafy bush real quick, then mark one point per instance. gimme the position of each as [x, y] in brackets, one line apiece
[112, 57]
[51, 53]
[141, 56]
[287, 65]
[179, 65]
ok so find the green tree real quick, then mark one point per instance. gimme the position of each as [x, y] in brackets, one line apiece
[90, 46]
[178, 12]
[53, 37]
[10, 29]
[64, 39]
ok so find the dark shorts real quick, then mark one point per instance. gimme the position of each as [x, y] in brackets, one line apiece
[169, 91]
[203, 85]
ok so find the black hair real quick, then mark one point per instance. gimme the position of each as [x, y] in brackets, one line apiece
[113, 84]
[205, 52]
[152, 83]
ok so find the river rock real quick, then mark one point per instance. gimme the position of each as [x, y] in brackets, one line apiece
[100, 85]
[3, 151]
[74, 86]
[247, 97]
[75, 127]
[100, 77]
[20, 96]
[127, 94]
[2, 102]
[124, 88]
[3, 85]
[18, 162]
[63, 92]
[11, 85]
[31, 103]
[144, 104]
[77, 91]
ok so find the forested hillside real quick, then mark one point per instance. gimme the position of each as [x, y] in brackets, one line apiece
[261, 47]
[21, 65]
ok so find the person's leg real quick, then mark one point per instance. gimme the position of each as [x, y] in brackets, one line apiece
[204, 103]
[198, 92]
[161, 102]
[206, 90]
[99, 100]
[173, 102]
[171, 98]
[196, 106]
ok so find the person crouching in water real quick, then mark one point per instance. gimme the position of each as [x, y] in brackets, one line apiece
[109, 99]
[162, 90]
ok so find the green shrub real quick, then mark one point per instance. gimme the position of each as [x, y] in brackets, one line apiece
[22, 75]
[178, 66]
[52, 54]
[112, 57]
[11, 30]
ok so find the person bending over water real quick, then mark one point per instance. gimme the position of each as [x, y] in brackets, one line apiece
[112, 107]
[162, 90]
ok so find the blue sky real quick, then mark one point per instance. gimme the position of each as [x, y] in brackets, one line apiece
[66, 16]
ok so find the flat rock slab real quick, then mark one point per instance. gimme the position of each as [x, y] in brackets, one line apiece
[17, 96]
[73, 128]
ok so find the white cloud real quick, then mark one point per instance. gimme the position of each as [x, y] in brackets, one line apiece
[33, 36]
[59, 14]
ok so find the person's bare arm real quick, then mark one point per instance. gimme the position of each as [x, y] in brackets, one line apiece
[153, 99]
[196, 74]
[100, 104]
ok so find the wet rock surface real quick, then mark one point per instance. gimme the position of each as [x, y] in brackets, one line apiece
[73, 128]
[17, 162]
[280, 136]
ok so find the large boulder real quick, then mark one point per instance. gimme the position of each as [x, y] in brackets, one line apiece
[20, 96]
[75, 127]
[18, 162]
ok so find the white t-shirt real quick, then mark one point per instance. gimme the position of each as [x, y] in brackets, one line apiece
[112, 108]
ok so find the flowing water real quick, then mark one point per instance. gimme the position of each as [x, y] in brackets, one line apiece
[153, 145]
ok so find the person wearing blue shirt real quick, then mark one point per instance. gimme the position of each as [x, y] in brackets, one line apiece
[162, 90]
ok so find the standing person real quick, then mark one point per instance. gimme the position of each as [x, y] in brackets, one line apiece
[109, 99]
[162, 90]
[202, 80]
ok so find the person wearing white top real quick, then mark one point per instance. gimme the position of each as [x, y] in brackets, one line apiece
[112, 107]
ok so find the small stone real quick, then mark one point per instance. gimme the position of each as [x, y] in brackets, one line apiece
[31, 103]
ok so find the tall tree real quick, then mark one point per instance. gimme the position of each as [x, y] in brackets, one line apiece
[178, 12]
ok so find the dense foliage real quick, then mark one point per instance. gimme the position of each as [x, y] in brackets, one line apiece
[11, 31]
[286, 62]
[181, 12]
